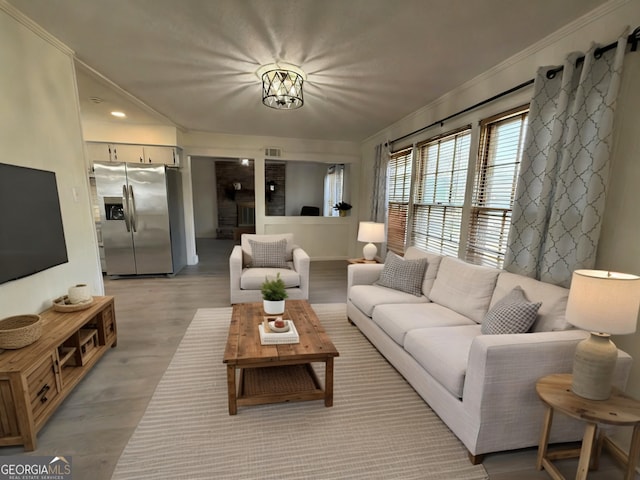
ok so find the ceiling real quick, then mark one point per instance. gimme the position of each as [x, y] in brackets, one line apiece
[369, 63]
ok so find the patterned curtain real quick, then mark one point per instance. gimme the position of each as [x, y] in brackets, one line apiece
[560, 194]
[379, 194]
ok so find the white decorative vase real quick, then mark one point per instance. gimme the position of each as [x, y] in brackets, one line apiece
[273, 307]
[79, 293]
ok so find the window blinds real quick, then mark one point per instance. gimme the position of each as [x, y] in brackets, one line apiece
[494, 188]
[398, 195]
[439, 193]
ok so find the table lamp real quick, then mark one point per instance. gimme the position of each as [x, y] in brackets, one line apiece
[370, 232]
[603, 303]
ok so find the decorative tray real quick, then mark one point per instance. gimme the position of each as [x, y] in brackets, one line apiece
[61, 304]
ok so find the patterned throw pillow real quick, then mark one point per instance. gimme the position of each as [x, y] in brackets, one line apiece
[403, 275]
[512, 314]
[269, 254]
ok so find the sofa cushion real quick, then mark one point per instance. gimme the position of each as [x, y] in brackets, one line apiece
[551, 315]
[464, 288]
[397, 320]
[433, 262]
[269, 254]
[443, 352]
[367, 297]
[512, 314]
[246, 247]
[403, 275]
[252, 278]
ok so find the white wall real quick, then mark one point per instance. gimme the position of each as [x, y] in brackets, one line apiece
[309, 191]
[203, 171]
[95, 131]
[619, 247]
[40, 128]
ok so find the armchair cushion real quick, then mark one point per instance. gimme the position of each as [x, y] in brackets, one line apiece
[269, 254]
[252, 278]
[247, 253]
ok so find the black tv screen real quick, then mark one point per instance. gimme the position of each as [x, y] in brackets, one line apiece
[31, 231]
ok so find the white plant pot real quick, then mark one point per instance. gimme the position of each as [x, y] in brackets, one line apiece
[273, 307]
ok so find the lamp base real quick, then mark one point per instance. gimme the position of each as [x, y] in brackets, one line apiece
[593, 367]
[369, 251]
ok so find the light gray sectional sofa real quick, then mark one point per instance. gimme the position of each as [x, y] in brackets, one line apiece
[481, 385]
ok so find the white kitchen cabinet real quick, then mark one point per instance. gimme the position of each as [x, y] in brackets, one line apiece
[156, 154]
[98, 152]
[132, 153]
[123, 152]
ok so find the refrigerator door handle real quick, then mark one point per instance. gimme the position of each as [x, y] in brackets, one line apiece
[134, 213]
[125, 208]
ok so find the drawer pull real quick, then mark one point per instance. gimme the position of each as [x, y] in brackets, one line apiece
[43, 390]
[43, 399]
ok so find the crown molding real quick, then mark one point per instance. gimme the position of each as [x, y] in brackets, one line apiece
[21, 18]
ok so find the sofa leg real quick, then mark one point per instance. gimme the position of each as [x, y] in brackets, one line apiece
[350, 321]
[476, 459]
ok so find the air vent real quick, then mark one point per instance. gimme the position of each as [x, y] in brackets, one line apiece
[272, 152]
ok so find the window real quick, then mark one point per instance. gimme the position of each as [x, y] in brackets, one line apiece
[398, 194]
[333, 182]
[499, 158]
[441, 177]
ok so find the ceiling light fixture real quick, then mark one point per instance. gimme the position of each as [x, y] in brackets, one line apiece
[282, 85]
[118, 114]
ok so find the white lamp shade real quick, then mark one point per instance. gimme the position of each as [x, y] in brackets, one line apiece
[371, 232]
[605, 302]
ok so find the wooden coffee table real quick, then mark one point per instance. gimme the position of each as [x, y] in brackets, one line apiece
[277, 373]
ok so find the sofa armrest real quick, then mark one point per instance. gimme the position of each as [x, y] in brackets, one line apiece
[503, 369]
[363, 273]
[301, 263]
[235, 267]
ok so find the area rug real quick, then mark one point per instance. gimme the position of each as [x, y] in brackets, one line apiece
[378, 427]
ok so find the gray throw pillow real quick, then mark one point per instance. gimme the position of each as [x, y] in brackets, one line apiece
[512, 314]
[403, 275]
[269, 254]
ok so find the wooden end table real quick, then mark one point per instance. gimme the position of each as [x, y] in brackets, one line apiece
[619, 409]
[277, 373]
[361, 260]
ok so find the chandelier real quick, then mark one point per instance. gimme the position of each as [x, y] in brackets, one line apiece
[282, 86]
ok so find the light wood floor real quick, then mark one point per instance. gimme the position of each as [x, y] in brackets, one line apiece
[95, 422]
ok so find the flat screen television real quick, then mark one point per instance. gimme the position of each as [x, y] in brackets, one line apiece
[31, 231]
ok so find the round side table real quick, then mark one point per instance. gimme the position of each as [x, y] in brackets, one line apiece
[619, 409]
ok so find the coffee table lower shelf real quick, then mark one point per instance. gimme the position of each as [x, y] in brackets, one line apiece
[288, 383]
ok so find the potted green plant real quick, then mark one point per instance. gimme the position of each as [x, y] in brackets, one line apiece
[342, 208]
[274, 293]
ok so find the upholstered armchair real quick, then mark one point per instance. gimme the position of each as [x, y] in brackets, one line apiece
[260, 256]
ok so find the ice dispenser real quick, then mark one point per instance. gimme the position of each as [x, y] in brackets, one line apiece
[113, 208]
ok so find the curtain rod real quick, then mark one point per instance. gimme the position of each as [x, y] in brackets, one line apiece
[632, 39]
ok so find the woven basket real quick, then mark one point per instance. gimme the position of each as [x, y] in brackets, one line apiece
[19, 331]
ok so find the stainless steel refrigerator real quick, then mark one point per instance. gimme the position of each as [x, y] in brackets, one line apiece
[142, 218]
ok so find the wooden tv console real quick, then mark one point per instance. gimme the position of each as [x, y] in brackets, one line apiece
[34, 380]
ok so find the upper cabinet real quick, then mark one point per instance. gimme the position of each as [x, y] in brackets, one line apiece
[129, 153]
[155, 154]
